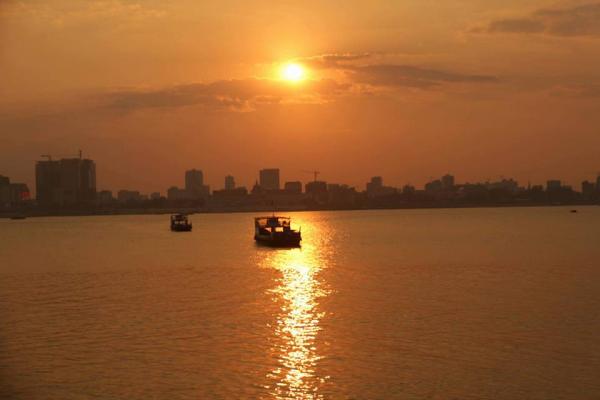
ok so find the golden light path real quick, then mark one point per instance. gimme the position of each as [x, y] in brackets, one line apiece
[298, 323]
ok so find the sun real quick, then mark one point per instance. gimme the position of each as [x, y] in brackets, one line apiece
[293, 72]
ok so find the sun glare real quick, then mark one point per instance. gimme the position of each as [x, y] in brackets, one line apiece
[293, 72]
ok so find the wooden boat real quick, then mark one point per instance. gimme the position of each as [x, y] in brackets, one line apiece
[276, 231]
[180, 223]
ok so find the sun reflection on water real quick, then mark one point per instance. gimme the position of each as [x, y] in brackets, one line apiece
[298, 323]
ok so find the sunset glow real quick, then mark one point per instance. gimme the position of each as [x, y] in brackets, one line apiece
[293, 72]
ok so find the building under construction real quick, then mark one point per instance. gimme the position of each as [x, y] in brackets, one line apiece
[65, 182]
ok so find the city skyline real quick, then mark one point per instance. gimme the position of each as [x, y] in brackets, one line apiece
[272, 179]
[303, 176]
[405, 90]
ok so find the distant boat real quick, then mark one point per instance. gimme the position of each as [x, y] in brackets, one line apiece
[276, 231]
[573, 211]
[18, 217]
[180, 223]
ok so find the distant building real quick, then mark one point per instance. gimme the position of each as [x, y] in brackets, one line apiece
[509, 185]
[269, 179]
[105, 197]
[434, 186]
[588, 190]
[4, 191]
[230, 193]
[316, 187]
[408, 189]
[19, 193]
[293, 187]
[155, 196]
[447, 182]
[12, 194]
[129, 196]
[341, 195]
[375, 184]
[194, 184]
[598, 184]
[177, 194]
[64, 182]
[553, 184]
[229, 182]
[375, 187]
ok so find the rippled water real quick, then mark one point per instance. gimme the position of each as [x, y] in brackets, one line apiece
[407, 304]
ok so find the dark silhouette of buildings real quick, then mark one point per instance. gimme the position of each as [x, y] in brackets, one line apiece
[375, 188]
[293, 187]
[269, 179]
[72, 182]
[229, 182]
[12, 194]
[66, 182]
[194, 185]
[447, 182]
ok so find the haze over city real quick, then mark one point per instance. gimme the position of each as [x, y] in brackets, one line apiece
[408, 90]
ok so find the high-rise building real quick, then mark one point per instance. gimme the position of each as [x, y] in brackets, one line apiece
[194, 185]
[65, 182]
[229, 182]
[269, 178]
[194, 179]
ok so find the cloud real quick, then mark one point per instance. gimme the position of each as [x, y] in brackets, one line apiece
[242, 95]
[583, 20]
[388, 74]
[230, 95]
[407, 75]
[325, 61]
[352, 77]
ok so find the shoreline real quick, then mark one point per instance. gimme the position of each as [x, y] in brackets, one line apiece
[208, 210]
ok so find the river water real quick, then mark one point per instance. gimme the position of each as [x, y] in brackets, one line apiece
[490, 303]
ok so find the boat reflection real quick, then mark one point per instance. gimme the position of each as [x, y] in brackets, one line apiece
[298, 323]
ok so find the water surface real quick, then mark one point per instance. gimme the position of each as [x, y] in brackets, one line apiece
[406, 304]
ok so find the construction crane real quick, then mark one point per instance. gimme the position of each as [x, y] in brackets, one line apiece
[315, 174]
[49, 156]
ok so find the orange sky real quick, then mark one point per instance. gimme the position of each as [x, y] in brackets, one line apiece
[405, 89]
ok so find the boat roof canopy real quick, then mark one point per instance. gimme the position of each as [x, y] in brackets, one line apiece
[272, 217]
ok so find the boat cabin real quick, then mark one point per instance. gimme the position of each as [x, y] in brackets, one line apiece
[180, 223]
[276, 231]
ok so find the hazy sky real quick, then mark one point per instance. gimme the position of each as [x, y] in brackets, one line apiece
[407, 89]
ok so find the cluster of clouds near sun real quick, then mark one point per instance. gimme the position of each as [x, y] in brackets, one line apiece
[330, 75]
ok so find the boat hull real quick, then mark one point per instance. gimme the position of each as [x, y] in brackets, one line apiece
[278, 241]
[181, 228]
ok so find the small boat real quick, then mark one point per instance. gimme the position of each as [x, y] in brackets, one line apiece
[180, 223]
[276, 231]
[573, 211]
[18, 217]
